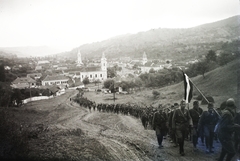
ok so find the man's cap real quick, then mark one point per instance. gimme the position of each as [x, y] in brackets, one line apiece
[176, 104]
[195, 103]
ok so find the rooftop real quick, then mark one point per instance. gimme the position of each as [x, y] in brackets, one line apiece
[55, 77]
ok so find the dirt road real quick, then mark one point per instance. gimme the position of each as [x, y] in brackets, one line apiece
[62, 130]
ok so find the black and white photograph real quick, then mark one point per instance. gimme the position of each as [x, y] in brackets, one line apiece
[120, 80]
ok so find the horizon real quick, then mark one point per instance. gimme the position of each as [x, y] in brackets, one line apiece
[70, 24]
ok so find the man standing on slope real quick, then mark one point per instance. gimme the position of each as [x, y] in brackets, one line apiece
[171, 131]
[160, 125]
[208, 122]
[195, 114]
[226, 128]
[180, 122]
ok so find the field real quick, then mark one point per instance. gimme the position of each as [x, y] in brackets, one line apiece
[60, 129]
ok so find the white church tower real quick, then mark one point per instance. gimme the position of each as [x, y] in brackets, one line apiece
[144, 61]
[79, 59]
[103, 63]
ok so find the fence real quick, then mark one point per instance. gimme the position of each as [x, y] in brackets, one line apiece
[37, 98]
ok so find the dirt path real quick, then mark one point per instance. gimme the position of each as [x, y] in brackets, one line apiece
[71, 132]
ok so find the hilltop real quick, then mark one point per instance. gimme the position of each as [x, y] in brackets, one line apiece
[164, 43]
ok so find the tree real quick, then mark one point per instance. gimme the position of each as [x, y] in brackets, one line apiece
[17, 97]
[155, 93]
[138, 83]
[111, 72]
[135, 66]
[96, 81]
[2, 73]
[5, 94]
[152, 70]
[86, 81]
[107, 83]
[125, 85]
[225, 58]
[202, 67]
[211, 56]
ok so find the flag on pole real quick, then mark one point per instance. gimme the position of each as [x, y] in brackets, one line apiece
[188, 88]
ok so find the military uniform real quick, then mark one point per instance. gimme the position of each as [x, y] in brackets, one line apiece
[226, 128]
[181, 121]
[208, 122]
[160, 126]
[195, 114]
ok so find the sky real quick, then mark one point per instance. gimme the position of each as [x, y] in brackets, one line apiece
[67, 24]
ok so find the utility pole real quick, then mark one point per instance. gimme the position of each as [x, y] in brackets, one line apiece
[30, 92]
[113, 90]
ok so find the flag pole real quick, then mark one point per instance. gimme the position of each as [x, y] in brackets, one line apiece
[203, 96]
[201, 93]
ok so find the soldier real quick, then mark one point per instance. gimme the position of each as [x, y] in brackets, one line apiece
[226, 128]
[160, 125]
[180, 122]
[237, 135]
[208, 122]
[195, 114]
[171, 131]
[144, 118]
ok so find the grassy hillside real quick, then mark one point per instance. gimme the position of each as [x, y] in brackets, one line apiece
[220, 83]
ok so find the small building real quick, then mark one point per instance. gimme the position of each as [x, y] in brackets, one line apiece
[55, 80]
[38, 68]
[43, 62]
[35, 75]
[23, 82]
[150, 65]
[7, 68]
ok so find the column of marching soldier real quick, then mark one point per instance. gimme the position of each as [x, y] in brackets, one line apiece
[181, 123]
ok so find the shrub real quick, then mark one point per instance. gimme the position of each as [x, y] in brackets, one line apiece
[155, 93]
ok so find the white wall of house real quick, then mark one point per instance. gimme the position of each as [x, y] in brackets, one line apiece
[94, 75]
[147, 69]
[55, 82]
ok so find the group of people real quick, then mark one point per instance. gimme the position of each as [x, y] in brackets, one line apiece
[179, 122]
[222, 124]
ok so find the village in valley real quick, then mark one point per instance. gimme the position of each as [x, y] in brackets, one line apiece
[56, 74]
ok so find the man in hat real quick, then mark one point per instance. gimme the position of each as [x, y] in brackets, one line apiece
[195, 114]
[226, 129]
[160, 125]
[181, 121]
[208, 121]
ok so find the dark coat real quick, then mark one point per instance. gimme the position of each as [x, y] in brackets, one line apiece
[226, 130]
[160, 121]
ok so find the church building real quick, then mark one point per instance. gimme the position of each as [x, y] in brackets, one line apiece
[94, 73]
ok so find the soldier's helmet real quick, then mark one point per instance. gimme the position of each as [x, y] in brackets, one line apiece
[231, 103]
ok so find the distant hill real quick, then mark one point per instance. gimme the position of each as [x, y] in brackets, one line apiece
[163, 43]
[28, 51]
